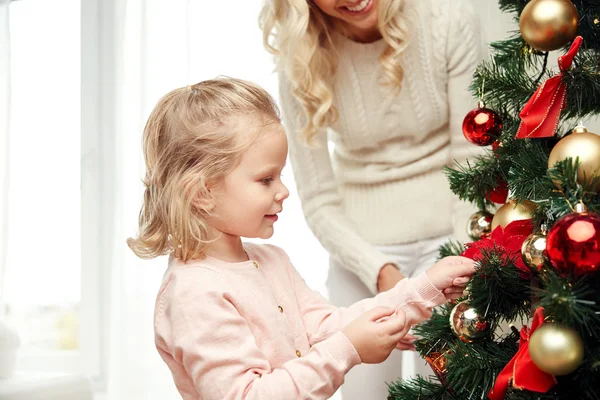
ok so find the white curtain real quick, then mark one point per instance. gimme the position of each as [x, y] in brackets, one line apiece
[156, 46]
[4, 126]
[149, 41]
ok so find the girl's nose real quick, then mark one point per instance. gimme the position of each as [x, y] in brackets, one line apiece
[282, 194]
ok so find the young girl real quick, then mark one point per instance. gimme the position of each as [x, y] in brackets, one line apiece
[235, 320]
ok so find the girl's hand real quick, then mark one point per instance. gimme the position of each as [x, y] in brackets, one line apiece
[376, 333]
[451, 274]
[407, 342]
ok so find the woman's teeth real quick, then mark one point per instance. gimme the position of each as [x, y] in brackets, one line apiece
[360, 6]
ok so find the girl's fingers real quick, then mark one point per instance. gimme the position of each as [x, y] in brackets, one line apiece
[405, 346]
[454, 289]
[409, 338]
[396, 324]
[462, 281]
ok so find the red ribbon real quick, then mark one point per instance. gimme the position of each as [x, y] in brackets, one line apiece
[539, 117]
[521, 371]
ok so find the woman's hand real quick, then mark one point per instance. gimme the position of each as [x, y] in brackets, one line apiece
[389, 275]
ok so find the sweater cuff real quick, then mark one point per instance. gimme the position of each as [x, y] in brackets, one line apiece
[342, 352]
[427, 290]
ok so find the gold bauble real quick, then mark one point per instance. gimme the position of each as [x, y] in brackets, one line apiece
[479, 224]
[466, 322]
[512, 211]
[548, 25]
[556, 349]
[533, 249]
[582, 144]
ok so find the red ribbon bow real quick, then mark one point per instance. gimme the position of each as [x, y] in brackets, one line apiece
[521, 370]
[508, 241]
[539, 117]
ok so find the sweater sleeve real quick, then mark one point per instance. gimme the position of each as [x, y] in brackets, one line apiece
[414, 296]
[464, 51]
[212, 343]
[321, 202]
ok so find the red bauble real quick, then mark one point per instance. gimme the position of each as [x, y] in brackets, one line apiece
[499, 194]
[495, 146]
[482, 126]
[573, 243]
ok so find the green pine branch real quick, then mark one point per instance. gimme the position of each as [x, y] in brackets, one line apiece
[419, 388]
[471, 181]
[572, 301]
[498, 290]
[450, 248]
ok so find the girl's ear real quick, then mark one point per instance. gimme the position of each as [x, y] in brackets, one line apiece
[204, 198]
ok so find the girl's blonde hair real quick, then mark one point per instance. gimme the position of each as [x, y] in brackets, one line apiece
[298, 33]
[195, 135]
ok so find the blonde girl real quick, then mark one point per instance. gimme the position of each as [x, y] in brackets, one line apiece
[385, 82]
[234, 320]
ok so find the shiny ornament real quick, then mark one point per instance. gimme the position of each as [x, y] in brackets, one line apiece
[582, 144]
[479, 225]
[556, 349]
[499, 194]
[439, 364]
[548, 25]
[533, 249]
[466, 323]
[512, 211]
[573, 243]
[482, 126]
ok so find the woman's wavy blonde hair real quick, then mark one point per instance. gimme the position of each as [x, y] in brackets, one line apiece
[195, 135]
[298, 33]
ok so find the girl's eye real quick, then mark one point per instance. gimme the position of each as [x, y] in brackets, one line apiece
[266, 181]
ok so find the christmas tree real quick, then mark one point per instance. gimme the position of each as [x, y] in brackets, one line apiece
[529, 326]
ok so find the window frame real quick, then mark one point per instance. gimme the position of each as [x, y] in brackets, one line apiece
[98, 49]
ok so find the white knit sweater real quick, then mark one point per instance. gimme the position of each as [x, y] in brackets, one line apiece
[383, 183]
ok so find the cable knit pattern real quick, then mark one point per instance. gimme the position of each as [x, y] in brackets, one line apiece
[383, 182]
[440, 33]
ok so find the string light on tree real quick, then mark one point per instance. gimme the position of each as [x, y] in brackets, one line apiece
[548, 25]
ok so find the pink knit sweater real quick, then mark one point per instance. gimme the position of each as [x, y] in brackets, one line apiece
[255, 330]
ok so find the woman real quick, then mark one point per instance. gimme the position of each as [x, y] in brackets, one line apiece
[386, 81]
